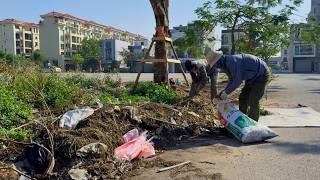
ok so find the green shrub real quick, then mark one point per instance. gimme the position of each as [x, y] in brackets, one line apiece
[60, 94]
[155, 92]
[13, 113]
[19, 134]
[83, 82]
[12, 110]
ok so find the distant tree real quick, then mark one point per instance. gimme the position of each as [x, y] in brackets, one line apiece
[3, 55]
[264, 32]
[130, 57]
[78, 59]
[91, 51]
[309, 32]
[38, 58]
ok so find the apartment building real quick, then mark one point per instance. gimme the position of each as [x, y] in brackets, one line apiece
[179, 32]
[18, 37]
[111, 49]
[304, 57]
[61, 36]
[226, 44]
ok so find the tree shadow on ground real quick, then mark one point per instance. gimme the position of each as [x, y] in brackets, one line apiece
[295, 147]
[312, 79]
[315, 91]
[208, 141]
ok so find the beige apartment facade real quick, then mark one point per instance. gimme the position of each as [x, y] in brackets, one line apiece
[226, 44]
[18, 37]
[61, 36]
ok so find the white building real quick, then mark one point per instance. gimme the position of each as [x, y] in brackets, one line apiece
[226, 44]
[179, 32]
[18, 37]
[61, 36]
[111, 49]
[304, 57]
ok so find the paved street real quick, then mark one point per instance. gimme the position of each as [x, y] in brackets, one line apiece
[294, 155]
[289, 90]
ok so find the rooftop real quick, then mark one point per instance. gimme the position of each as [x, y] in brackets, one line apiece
[16, 22]
[65, 15]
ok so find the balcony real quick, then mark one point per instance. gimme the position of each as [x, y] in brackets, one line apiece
[27, 37]
[28, 45]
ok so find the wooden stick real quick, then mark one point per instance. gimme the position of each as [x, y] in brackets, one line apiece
[175, 166]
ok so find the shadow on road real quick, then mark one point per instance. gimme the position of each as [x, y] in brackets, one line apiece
[295, 148]
[202, 142]
[313, 79]
[316, 91]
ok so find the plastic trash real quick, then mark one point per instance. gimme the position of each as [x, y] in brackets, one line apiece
[93, 149]
[241, 126]
[71, 118]
[133, 134]
[138, 147]
[78, 174]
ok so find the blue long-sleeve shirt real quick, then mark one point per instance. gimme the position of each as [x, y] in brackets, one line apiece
[240, 68]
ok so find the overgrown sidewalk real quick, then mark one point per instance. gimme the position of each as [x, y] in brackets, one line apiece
[31, 103]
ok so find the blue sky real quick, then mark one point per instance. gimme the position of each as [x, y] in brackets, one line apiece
[132, 15]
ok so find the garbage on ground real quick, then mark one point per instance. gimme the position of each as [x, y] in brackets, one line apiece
[116, 109]
[78, 174]
[174, 166]
[38, 158]
[94, 149]
[241, 126]
[194, 114]
[136, 147]
[133, 134]
[71, 118]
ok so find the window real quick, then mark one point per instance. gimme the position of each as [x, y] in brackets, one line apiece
[62, 46]
[17, 36]
[108, 50]
[285, 52]
[18, 51]
[224, 39]
[17, 27]
[304, 50]
[142, 43]
[74, 47]
[36, 44]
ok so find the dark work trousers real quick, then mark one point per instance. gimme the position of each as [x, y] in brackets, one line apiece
[251, 94]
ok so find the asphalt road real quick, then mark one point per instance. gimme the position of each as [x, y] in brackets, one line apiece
[289, 90]
[293, 155]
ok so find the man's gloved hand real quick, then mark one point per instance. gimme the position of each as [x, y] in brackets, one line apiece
[223, 95]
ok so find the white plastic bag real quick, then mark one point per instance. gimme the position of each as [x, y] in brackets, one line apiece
[71, 118]
[241, 126]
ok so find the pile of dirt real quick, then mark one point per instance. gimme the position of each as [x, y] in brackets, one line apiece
[169, 125]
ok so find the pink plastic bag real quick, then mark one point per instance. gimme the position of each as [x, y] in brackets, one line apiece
[131, 149]
[133, 134]
[148, 151]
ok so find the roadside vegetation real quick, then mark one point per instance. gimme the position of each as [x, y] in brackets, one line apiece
[26, 90]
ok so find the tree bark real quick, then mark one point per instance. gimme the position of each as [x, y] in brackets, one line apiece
[233, 43]
[160, 9]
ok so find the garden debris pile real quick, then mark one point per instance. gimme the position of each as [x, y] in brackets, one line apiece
[105, 128]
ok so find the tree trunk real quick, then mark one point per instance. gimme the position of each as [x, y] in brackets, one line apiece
[160, 9]
[233, 43]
